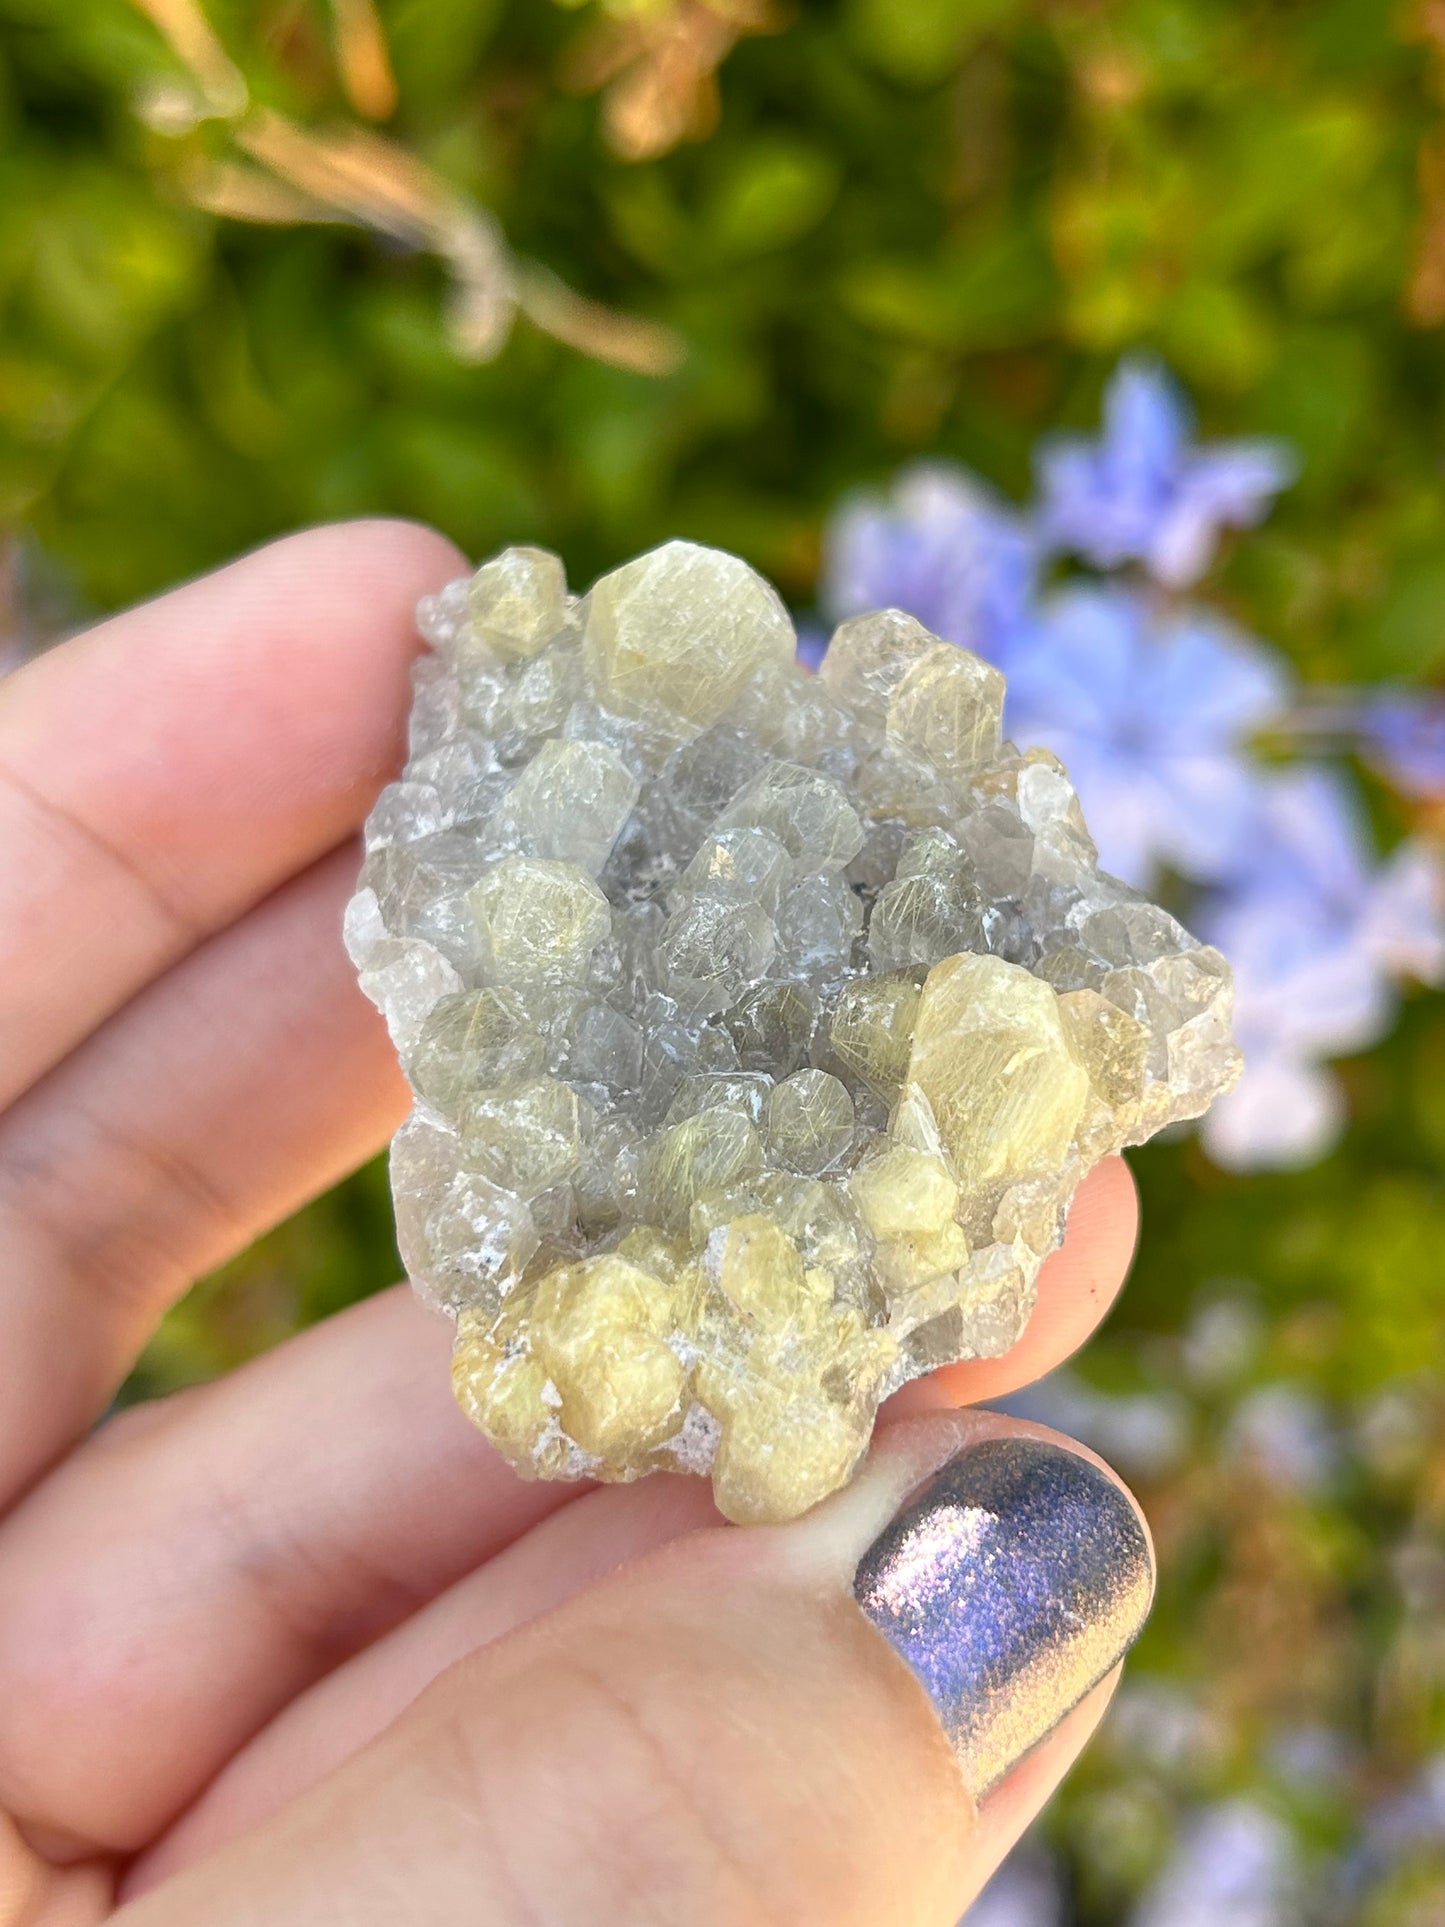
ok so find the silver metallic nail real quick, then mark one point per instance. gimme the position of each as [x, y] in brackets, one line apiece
[1012, 1583]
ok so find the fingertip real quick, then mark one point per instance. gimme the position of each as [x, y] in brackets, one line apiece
[1016, 1802]
[398, 554]
[1079, 1282]
[1077, 1287]
[1107, 1208]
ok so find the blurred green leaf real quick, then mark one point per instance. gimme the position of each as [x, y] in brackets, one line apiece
[776, 190]
[993, 295]
[1406, 633]
[921, 41]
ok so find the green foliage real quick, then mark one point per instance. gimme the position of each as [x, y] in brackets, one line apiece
[920, 228]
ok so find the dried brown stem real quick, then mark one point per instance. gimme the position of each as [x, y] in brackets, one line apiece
[363, 58]
[351, 173]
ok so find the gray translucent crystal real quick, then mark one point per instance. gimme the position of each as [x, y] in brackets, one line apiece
[570, 802]
[528, 1137]
[713, 947]
[471, 1040]
[749, 863]
[761, 1024]
[540, 919]
[606, 1049]
[808, 1122]
[770, 1026]
[806, 811]
[869, 657]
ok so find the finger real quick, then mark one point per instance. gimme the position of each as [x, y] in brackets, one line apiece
[321, 1729]
[200, 1562]
[572, 1548]
[33, 1893]
[718, 1733]
[1077, 1286]
[230, 1091]
[330, 1524]
[164, 772]
[1008, 1813]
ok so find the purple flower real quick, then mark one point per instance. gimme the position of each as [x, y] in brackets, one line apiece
[1140, 493]
[1025, 1892]
[1284, 1113]
[1405, 1823]
[941, 546]
[1317, 934]
[1285, 1432]
[1149, 713]
[1404, 737]
[1235, 1863]
[1146, 1434]
[812, 642]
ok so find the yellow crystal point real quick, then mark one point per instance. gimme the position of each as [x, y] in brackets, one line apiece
[872, 1028]
[949, 709]
[601, 1327]
[992, 1057]
[674, 636]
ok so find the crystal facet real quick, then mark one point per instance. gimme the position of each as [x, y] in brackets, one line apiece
[761, 1025]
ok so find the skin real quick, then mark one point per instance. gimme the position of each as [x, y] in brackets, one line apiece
[296, 1646]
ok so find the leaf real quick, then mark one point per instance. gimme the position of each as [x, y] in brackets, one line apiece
[997, 293]
[776, 191]
[920, 42]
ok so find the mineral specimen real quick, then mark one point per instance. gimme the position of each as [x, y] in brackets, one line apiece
[761, 1024]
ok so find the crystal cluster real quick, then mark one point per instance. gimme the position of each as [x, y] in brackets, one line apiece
[761, 1024]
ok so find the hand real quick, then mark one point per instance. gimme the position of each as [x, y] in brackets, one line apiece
[297, 1646]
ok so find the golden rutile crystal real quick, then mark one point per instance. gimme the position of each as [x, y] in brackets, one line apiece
[761, 1025]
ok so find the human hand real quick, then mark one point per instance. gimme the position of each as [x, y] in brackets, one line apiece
[297, 1646]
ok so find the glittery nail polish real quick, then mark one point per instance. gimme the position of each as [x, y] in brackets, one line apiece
[1012, 1583]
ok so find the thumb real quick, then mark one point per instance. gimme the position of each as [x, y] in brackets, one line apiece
[820, 1722]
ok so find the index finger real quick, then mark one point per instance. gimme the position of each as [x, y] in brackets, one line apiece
[162, 773]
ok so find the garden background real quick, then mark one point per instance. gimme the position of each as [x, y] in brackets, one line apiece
[592, 275]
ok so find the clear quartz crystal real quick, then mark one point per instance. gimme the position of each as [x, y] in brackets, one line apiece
[761, 1025]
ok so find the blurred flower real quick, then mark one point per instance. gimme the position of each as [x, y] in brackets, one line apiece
[1404, 923]
[1236, 1866]
[1284, 1113]
[1404, 737]
[1221, 1341]
[944, 548]
[1149, 713]
[1025, 1892]
[1311, 1756]
[1399, 1827]
[1146, 1434]
[813, 639]
[1159, 1725]
[1140, 493]
[1316, 936]
[1285, 1433]
[1153, 708]
[1417, 1814]
[1392, 1431]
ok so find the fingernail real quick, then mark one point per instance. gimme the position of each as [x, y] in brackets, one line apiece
[1012, 1583]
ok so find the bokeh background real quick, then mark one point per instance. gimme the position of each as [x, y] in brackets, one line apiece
[600, 273]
